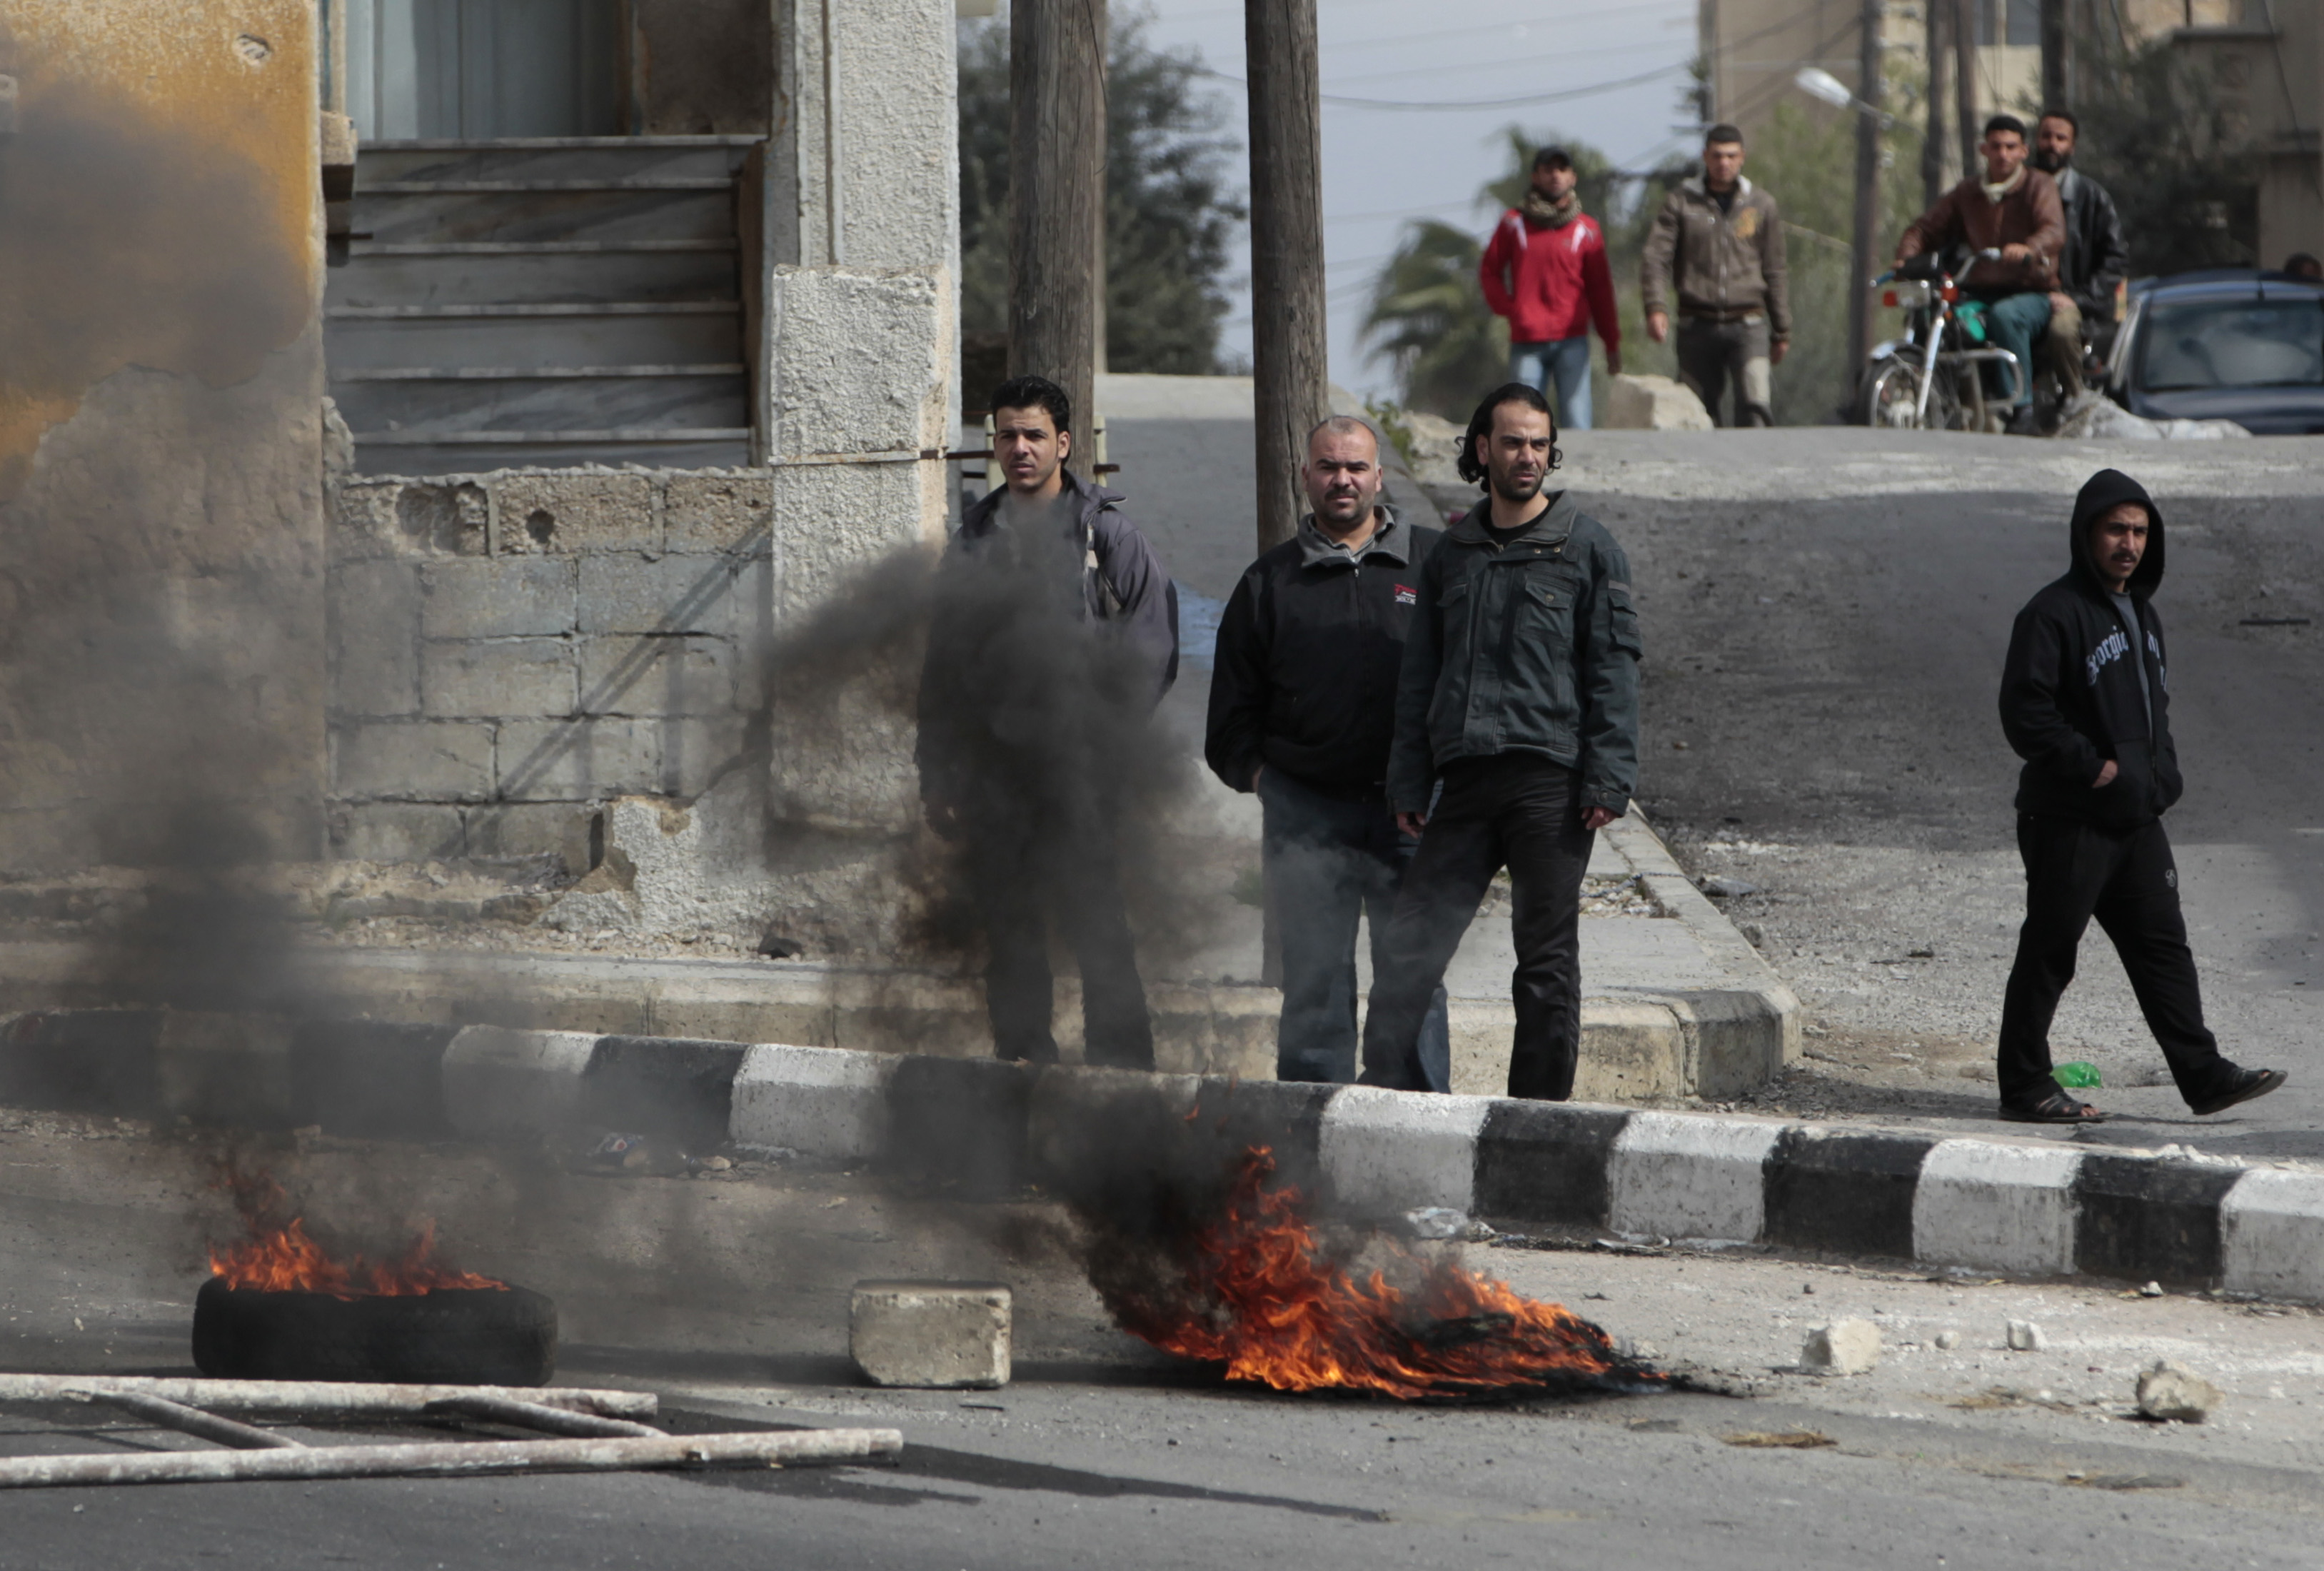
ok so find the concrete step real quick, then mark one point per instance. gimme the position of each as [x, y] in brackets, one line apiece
[525, 337]
[477, 452]
[554, 158]
[475, 399]
[438, 212]
[538, 273]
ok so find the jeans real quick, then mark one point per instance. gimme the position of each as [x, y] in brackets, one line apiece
[1516, 811]
[1712, 353]
[2012, 323]
[2128, 880]
[1565, 361]
[1020, 877]
[1328, 862]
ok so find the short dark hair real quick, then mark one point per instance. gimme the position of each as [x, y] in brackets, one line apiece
[2072, 124]
[1552, 158]
[1342, 425]
[2009, 123]
[1480, 424]
[1035, 392]
[1724, 135]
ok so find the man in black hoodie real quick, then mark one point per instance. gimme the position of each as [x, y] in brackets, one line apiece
[1302, 709]
[2085, 702]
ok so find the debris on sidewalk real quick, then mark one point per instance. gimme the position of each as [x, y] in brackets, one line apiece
[1783, 1439]
[2025, 1336]
[1841, 1348]
[2171, 1392]
[1948, 1340]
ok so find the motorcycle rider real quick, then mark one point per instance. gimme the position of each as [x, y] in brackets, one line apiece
[2095, 260]
[2016, 211]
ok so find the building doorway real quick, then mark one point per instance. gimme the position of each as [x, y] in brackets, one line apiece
[476, 70]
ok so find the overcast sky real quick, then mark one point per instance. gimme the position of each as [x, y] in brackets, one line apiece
[1384, 166]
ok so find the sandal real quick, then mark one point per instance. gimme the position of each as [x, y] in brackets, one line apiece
[2055, 1108]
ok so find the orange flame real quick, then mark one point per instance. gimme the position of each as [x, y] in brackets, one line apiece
[1280, 1315]
[282, 1258]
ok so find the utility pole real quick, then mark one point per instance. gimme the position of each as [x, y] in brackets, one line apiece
[2057, 56]
[1936, 46]
[1866, 239]
[1290, 381]
[1056, 199]
[1965, 81]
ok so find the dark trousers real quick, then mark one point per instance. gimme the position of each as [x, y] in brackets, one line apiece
[1329, 862]
[1513, 810]
[1713, 355]
[2125, 879]
[1021, 878]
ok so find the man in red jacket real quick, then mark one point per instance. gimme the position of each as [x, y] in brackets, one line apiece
[1545, 270]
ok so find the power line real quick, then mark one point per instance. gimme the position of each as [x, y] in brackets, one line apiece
[1525, 101]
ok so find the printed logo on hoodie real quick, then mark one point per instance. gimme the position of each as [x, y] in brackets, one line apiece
[2110, 649]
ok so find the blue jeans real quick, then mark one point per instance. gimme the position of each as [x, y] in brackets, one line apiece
[1328, 862]
[2015, 323]
[1565, 361]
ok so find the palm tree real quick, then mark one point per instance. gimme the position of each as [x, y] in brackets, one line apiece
[1427, 313]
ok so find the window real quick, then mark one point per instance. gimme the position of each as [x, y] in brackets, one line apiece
[2232, 343]
[2017, 22]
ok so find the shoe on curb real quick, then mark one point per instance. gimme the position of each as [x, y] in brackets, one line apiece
[2246, 1085]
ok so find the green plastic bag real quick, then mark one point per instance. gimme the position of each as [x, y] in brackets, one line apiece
[2076, 1077]
[1971, 315]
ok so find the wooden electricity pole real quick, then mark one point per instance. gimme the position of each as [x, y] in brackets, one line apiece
[2057, 56]
[1864, 253]
[1938, 47]
[1056, 199]
[1290, 376]
[1965, 84]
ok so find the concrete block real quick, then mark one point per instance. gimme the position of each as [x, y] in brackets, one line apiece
[823, 1103]
[833, 522]
[404, 518]
[630, 593]
[715, 513]
[644, 674]
[559, 829]
[532, 597]
[934, 1336]
[568, 513]
[2025, 1336]
[374, 638]
[1842, 1348]
[1385, 1152]
[573, 759]
[498, 1081]
[1682, 1176]
[2271, 1226]
[396, 832]
[1653, 403]
[443, 761]
[1997, 1207]
[2174, 1393]
[493, 678]
[854, 360]
[696, 753]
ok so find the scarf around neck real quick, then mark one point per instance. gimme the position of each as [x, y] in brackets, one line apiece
[1539, 209]
[1994, 193]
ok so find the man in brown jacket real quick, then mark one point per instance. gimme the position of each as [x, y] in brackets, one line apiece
[2016, 209]
[1722, 240]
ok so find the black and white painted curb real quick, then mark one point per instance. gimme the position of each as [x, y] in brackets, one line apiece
[2034, 1209]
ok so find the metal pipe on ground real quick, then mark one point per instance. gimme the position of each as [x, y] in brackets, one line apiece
[347, 1399]
[455, 1458]
[535, 1415]
[188, 1421]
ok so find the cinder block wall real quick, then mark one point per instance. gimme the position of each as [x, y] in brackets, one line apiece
[510, 650]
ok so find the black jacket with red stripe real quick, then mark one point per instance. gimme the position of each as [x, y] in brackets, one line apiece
[1309, 649]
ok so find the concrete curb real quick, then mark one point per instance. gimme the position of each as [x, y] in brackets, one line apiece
[983, 1126]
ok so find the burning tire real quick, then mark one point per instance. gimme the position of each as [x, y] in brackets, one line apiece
[449, 1336]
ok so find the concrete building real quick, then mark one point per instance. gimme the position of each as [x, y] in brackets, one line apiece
[470, 484]
[2266, 62]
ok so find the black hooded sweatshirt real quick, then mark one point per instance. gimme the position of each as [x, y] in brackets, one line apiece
[2071, 697]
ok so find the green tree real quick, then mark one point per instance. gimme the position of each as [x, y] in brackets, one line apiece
[1171, 208]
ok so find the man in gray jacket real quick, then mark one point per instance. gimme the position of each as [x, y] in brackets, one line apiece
[1052, 635]
[1519, 697]
[1717, 247]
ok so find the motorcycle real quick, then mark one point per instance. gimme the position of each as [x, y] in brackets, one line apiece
[1932, 377]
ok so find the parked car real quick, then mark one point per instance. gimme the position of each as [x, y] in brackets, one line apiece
[2232, 344]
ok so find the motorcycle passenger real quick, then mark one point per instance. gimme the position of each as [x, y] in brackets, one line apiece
[2094, 262]
[2016, 211]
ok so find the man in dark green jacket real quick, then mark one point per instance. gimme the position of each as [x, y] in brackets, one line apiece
[1516, 740]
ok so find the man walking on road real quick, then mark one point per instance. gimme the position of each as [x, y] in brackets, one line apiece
[1052, 638]
[1717, 246]
[2094, 260]
[1302, 710]
[2085, 701]
[2016, 210]
[1545, 270]
[1519, 697]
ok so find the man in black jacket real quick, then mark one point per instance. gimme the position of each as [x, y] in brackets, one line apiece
[1302, 709]
[1519, 695]
[2085, 701]
[2094, 260]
